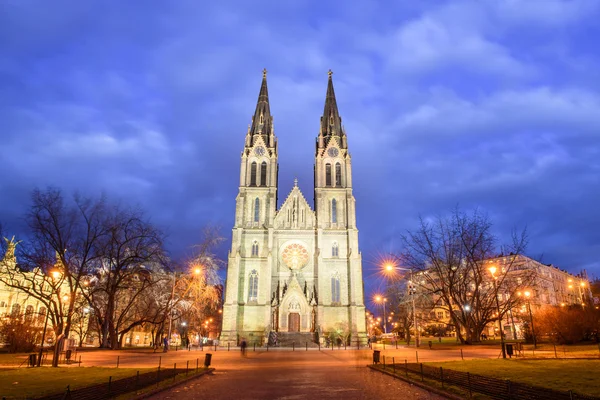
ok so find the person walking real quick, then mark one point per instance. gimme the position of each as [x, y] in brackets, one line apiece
[243, 346]
[165, 344]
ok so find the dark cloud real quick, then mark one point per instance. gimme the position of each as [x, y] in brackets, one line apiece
[484, 105]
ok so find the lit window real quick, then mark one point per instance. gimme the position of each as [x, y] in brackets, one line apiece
[255, 249]
[253, 286]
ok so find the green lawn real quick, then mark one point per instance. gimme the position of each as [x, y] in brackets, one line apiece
[581, 376]
[34, 382]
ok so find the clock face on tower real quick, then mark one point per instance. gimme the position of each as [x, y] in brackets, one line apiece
[333, 152]
[259, 151]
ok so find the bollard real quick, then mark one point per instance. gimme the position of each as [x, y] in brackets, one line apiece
[394, 365]
[109, 383]
[158, 376]
[461, 355]
[197, 360]
[555, 355]
[187, 365]
[442, 376]
[254, 346]
[383, 362]
[306, 346]
[417, 353]
[118, 361]
[137, 381]
[159, 362]
[406, 367]
[421, 372]
[174, 371]
[80, 360]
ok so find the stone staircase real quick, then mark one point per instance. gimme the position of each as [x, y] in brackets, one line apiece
[297, 339]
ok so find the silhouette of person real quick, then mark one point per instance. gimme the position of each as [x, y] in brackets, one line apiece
[243, 346]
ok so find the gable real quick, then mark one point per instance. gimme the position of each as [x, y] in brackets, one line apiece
[295, 213]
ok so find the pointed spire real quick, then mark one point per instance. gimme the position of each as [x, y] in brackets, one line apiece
[261, 122]
[331, 123]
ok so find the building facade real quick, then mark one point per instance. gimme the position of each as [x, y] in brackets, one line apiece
[295, 268]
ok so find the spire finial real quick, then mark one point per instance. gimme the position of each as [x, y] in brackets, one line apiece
[264, 72]
[295, 182]
[329, 73]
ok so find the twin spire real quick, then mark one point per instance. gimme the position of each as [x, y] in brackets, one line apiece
[331, 123]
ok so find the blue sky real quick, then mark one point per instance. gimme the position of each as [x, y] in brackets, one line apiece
[491, 104]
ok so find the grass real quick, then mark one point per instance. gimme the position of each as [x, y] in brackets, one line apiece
[34, 382]
[577, 375]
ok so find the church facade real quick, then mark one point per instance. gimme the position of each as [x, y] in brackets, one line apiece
[295, 268]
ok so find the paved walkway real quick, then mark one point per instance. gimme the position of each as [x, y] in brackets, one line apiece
[293, 376]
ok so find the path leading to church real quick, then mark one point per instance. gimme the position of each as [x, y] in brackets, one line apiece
[294, 376]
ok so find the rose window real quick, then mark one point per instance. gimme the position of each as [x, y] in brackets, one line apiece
[295, 256]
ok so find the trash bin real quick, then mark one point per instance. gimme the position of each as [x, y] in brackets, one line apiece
[68, 356]
[32, 360]
[207, 358]
[376, 354]
[509, 349]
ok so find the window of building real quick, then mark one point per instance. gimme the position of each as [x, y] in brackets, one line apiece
[253, 286]
[335, 289]
[440, 314]
[41, 314]
[335, 250]
[256, 210]
[328, 175]
[334, 211]
[263, 174]
[29, 313]
[255, 249]
[338, 174]
[253, 174]
[16, 309]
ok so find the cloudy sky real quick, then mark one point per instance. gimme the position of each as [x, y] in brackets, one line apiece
[491, 104]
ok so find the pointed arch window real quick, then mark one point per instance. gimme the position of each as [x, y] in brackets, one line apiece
[256, 210]
[253, 174]
[335, 250]
[253, 286]
[334, 211]
[41, 314]
[255, 249]
[263, 174]
[29, 313]
[15, 310]
[261, 119]
[328, 175]
[335, 288]
[338, 174]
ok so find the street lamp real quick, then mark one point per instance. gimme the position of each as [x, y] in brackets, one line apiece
[382, 300]
[390, 268]
[492, 270]
[527, 296]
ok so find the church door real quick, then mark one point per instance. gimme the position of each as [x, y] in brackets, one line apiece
[294, 322]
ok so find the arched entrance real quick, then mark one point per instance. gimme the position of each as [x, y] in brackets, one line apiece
[294, 322]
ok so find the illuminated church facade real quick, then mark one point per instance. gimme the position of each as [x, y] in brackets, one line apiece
[295, 269]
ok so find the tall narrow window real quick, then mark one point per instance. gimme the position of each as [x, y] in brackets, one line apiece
[335, 289]
[253, 286]
[327, 175]
[338, 174]
[16, 310]
[335, 250]
[255, 249]
[29, 313]
[263, 174]
[334, 211]
[41, 314]
[253, 174]
[256, 209]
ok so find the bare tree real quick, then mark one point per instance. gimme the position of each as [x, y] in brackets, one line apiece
[132, 251]
[62, 245]
[452, 256]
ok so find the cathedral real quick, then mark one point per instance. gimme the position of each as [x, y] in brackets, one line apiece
[294, 269]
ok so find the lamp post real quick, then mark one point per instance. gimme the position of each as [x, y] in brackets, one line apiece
[493, 272]
[411, 292]
[382, 300]
[527, 296]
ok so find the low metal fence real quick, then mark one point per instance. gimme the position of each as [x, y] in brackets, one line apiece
[113, 388]
[472, 383]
